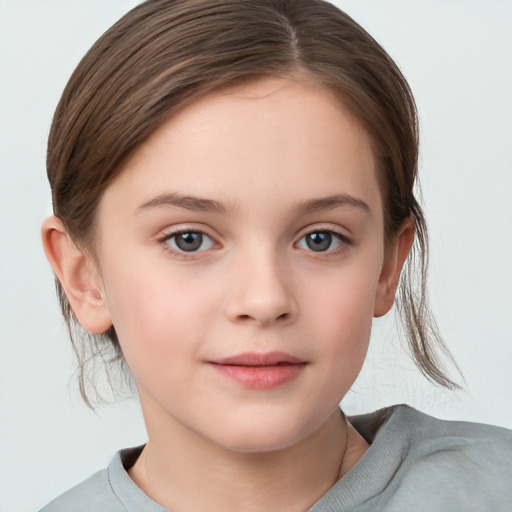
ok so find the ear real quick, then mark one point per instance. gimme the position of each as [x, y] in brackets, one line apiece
[393, 263]
[78, 277]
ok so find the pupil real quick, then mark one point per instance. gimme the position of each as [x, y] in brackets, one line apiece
[189, 241]
[319, 241]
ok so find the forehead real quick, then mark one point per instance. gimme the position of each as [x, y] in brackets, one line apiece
[283, 137]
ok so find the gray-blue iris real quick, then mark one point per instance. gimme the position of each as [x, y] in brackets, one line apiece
[189, 241]
[319, 241]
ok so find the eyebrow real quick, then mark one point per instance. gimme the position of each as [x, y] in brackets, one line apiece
[331, 202]
[199, 204]
[192, 203]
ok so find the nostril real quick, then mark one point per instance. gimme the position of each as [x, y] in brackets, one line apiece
[280, 318]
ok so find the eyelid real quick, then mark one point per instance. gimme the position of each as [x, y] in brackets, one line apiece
[344, 239]
[171, 232]
[324, 228]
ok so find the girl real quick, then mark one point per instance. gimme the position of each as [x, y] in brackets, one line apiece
[233, 195]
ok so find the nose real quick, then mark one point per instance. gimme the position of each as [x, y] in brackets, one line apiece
[261, 292]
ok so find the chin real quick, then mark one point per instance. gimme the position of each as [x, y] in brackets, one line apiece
[262, 435]
[263, 444]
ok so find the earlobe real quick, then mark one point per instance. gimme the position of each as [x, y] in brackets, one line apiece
[390, 274]
[77, 275]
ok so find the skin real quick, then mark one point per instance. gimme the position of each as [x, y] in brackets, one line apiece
[268, 154]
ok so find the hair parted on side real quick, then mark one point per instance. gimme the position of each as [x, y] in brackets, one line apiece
[164, 54]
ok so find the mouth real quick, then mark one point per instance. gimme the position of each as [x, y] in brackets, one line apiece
[260, 370]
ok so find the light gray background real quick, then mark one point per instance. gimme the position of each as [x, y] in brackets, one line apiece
[457, 55]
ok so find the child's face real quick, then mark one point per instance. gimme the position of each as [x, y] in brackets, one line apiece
[249, 224]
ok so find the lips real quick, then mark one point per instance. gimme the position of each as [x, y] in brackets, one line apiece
[260, 370]
[257, 359]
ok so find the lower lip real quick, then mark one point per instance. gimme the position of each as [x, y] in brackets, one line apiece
[261, 377]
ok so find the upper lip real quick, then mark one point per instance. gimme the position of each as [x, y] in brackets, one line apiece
[259, 359]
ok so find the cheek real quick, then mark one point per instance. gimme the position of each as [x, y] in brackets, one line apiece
[345, 324]
[343, 297]
[158, 315]
[340, 315]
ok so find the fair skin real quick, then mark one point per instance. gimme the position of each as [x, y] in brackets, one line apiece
[240, 257]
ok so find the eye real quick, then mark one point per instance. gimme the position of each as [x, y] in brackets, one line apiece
[189, 241]
[321, 241]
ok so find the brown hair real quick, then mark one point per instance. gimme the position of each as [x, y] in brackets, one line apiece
[165, 54]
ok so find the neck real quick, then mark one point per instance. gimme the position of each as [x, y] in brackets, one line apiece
[184, 471]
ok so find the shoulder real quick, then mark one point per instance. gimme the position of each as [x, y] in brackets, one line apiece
[452, 461]
[109, 490]
[429, 437]
[421, 434]
[94, 494]
[417, 462]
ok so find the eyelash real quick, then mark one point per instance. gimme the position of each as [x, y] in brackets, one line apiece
[343, 240]
[176, 251]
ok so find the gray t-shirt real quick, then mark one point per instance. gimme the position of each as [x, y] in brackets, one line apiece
[415, 463]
